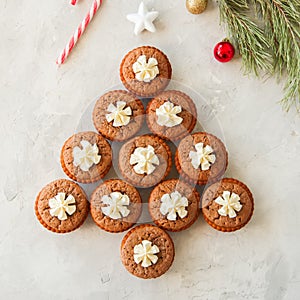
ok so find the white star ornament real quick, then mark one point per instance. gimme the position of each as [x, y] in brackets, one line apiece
[143, 19]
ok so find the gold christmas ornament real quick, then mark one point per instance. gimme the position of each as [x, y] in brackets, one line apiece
[196, 6]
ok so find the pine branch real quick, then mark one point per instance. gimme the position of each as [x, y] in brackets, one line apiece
[273, 46]
[248, 36]
[283, 31]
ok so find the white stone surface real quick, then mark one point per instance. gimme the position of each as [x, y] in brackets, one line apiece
[41, 106]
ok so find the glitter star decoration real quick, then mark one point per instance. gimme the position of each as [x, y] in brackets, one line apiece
[143, 19]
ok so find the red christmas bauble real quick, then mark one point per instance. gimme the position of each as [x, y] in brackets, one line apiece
[224, 51]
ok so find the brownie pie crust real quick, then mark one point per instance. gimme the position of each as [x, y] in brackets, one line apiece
[161, 149]
[140, 88]
[52, 223]
[159, 238]
[96, 171]
[105, 222]
[188, 115]
[168, 187]
[198, 176]
[210, 207]
[120, 133]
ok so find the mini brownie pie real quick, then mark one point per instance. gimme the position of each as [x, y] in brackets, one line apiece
[118, 115]
[144, 161]
[61, 206]
[171, 115]
[145, 71]
[201, 158]
[174, 205]
[86, 157]
[147, 251]
[227, 205]
[115, 205]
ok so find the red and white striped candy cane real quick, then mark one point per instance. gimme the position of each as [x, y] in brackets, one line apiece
[81, 28]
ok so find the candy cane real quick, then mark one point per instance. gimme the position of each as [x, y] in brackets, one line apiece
[81, 28]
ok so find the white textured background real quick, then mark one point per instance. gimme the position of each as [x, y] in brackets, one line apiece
[41, 106]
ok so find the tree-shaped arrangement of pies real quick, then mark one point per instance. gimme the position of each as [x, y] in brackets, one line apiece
[145, 161]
